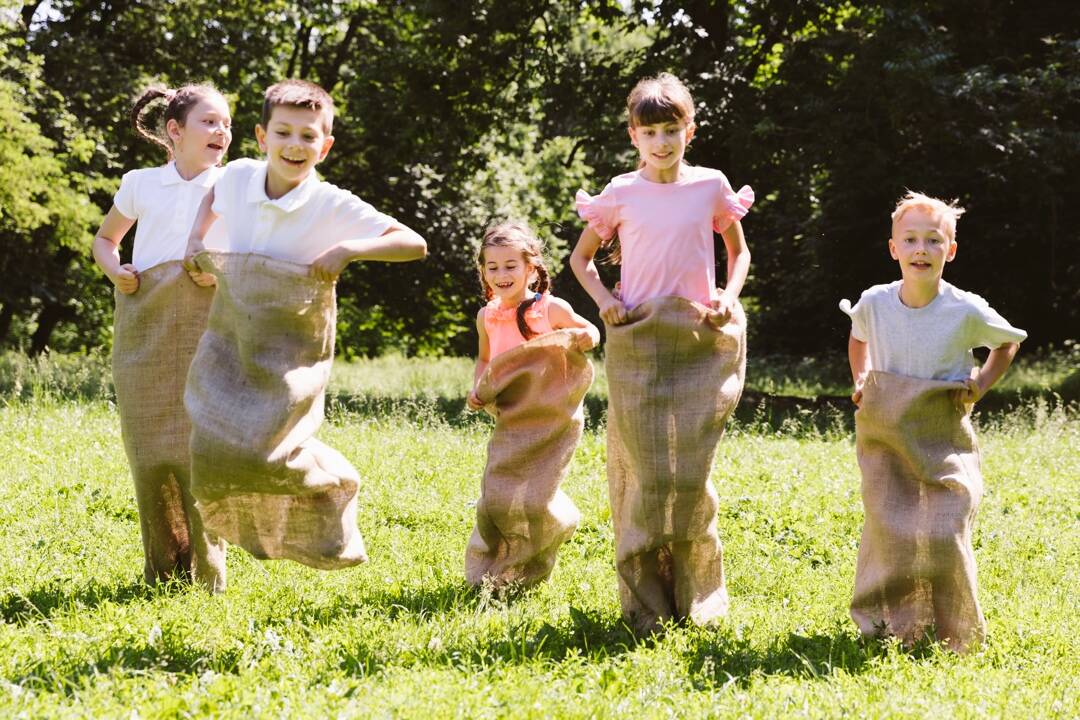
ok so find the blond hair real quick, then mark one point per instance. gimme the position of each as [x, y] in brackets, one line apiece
[950, 212]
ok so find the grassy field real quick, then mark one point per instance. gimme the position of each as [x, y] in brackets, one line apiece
[404, 637]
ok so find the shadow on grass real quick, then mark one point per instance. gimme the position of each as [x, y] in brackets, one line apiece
[721, 659]
[42, 602]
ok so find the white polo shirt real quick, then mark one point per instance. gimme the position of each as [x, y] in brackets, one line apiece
[298, 226]
[164, 206]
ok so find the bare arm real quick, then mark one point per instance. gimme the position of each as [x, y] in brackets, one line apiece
[562, 316]
[483, 359]
[738, 259]
[996, 364]
[397, 244]
[859, 358]
[106, 250]
[204, 218]
[583, 263]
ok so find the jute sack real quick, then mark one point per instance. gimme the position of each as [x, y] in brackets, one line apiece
[921, 486]
[535, 392]
[255, 395]
[155, 332]
[673, 380]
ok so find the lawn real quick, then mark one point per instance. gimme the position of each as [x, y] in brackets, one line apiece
[403, 636]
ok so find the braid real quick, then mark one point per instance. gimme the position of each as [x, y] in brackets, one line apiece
[150, 95]
[543, 283]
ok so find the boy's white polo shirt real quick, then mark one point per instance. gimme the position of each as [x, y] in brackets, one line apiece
[164, 206]
[298, 226]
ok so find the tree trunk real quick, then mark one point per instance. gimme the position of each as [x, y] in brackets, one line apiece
[48, 318]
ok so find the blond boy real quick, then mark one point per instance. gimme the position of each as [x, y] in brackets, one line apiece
[915, 376]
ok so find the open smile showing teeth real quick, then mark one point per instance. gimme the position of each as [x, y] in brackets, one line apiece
[293, 161]
[215, 146]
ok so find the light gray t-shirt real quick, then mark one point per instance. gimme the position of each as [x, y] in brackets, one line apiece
[933, 342]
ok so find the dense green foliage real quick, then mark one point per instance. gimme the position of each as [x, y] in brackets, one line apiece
[455, 113]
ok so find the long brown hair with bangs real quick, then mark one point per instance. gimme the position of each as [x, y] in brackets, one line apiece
[653, 100]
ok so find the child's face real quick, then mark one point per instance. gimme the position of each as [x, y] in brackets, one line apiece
[205, 135]
[921, 245]
[662, 145]
[294, 142]
[508, 274]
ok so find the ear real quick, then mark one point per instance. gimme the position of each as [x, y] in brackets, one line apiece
[172, 129]
[690, 130]
[633, 136]
[260, 136]
[950, 254]
[892, 250]
[328, 142]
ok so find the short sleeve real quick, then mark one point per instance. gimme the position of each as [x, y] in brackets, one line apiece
[125, 198]
[731, 206]
[357, 219]
[601, 213]
[989, 329]
[857, 314]
[226, 186]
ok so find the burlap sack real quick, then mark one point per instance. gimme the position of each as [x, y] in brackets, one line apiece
[155, 332]
[673, 381]
[921, 486]
[255, 395]
[535, 392]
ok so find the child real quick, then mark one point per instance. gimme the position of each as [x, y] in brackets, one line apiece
[915, 380]
[535, 379]
[160, 314]
[256, 388]
[675, 356]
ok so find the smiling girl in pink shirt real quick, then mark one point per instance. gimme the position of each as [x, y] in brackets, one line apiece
[675, 355]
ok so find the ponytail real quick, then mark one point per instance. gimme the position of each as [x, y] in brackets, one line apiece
[544, 282]
[178, 103]
[150, 95]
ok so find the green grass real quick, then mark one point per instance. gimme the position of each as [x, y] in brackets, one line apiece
[393, 377]
[403, 637]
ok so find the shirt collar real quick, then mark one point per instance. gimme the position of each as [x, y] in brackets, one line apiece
[292, 200]
[171, 176]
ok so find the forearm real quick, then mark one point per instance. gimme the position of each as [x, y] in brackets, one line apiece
[738, 260]
[859, 359]
[481, 366]
[996, 364]
[398, 245]
[204, 218]
[106, 255]
[587, 274]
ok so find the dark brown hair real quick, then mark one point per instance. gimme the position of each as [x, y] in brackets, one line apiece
[518, 236]
[178, 104]
[298, 93]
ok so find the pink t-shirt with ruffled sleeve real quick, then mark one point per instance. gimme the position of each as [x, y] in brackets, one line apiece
[666, 230]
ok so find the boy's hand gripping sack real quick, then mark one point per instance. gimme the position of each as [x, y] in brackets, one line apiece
[535, 392]
[255, 395]
[674, 378]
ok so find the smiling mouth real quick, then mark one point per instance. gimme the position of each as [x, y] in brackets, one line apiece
[215, 146]
[291, 161]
